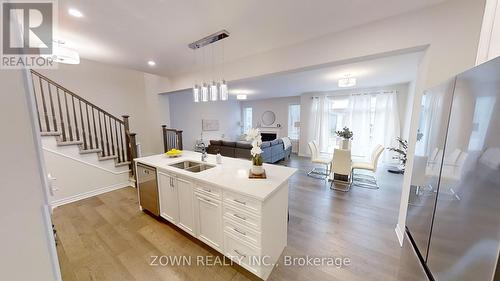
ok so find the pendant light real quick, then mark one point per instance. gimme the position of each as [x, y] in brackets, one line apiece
[204, 92]
[196, 93]
[214, 91]
[224, 94]
[209, 89]
[196, 87]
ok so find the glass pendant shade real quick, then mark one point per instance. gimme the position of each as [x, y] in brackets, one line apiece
[214, 91]
[204, 92]
[223, 90]
[196, 93]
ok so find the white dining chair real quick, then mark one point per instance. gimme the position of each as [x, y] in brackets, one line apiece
[418, 177]
[363, 180]
[321, 154]
[341, 170]
[452, 173]
[317, 159]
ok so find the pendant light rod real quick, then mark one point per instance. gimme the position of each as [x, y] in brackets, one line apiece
[212, 38]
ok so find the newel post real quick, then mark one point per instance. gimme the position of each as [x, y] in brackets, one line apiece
[179, 139]
[164, 136]
[133, 151]
[130, 143]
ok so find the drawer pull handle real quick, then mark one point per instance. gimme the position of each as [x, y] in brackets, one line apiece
[208, 190]
[208, 201]
[238, 201]
[239, 231]
[240, 254]
[240, 217]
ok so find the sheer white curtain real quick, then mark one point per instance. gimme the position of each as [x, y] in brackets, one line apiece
[386, 124]
[432, 121]
[359, 123]
[373, 118]
[319, 121]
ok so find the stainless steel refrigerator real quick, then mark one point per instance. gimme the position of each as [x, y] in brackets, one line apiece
[454, 207]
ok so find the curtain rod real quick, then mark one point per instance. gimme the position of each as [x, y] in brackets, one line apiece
[356, 94]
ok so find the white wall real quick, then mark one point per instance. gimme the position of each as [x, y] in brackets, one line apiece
[277, 105]
[306, 102]
[410, 99]
[158, 111]
[26, 240]
[186, 115]
[489, 43]
[450, 30]
[78, 176]
[120, 91]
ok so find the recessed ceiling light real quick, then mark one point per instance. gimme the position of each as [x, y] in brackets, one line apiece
[151, 63]
[241, 97]
[75, 13]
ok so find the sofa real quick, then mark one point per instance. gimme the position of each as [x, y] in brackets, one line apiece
[272, 151]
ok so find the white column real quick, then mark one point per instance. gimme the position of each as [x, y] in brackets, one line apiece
[489, 41]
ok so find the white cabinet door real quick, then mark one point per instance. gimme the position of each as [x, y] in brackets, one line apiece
[169, 208]
[186, 208]
[209, 221]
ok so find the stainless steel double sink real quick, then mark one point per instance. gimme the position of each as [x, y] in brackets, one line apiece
[191, 166]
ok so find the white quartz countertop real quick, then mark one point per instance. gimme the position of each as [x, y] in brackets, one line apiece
[232, 174]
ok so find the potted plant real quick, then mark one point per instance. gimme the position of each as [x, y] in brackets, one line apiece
[346, 136]
[401, 150]
[254, 136]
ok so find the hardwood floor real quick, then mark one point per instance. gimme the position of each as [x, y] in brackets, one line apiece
[106, 237]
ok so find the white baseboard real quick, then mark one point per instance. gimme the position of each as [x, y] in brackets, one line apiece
[400, 234]
[85, 162]
[74, 198]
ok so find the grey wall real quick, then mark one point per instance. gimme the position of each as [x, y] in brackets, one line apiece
[186, 115]
[277, 105]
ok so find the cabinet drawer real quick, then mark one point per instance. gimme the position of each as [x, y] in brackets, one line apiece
[211, 191]
[242, 253]
[243, 233]
[247, 219]
[243, 202]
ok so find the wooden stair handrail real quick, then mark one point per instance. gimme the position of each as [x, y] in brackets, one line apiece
[74, 95]
[69, 116]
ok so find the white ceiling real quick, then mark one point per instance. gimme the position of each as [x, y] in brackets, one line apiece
[130, 32]
[370, 73]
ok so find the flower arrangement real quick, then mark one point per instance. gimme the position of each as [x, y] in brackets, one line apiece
[402, 150]
[345, 133]
[254, 136]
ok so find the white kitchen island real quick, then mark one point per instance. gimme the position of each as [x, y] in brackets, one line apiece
[244, 219]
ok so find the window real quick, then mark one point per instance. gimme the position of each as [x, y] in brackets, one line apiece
[371, 117]
[293, 121]
[337, 117]
[247, 119]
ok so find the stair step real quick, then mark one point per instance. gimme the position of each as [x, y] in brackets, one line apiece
[103, 158]
[88, 151]
[126, 163]
[63, 143]
[50, 133]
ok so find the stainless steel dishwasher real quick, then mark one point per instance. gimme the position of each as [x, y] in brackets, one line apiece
[148, 189]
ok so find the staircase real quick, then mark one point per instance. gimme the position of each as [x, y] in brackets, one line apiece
[74, 121]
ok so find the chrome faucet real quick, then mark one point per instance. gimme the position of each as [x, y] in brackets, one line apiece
[203, 151]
